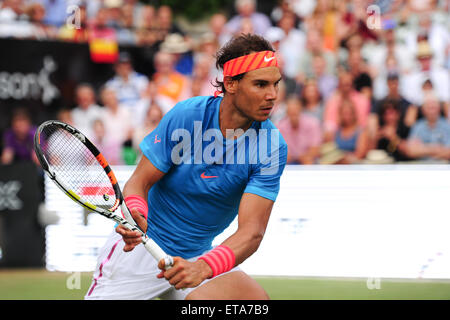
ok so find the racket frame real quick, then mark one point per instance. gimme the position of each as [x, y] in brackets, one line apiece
[128, 221]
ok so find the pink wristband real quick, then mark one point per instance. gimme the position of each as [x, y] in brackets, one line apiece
[137, 202]
[221, 259]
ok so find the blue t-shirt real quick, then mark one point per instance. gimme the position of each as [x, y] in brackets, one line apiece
[206, 175]
[439, 134]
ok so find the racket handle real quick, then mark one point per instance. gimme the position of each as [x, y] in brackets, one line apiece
[148, 243]
[157, 252]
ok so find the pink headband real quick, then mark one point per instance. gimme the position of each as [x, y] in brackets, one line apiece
[252, 61]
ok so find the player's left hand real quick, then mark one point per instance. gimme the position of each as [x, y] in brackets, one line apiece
[185, 274]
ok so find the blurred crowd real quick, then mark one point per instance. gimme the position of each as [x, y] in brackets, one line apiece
[363, 81]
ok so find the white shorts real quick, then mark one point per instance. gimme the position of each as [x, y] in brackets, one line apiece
[131, 275]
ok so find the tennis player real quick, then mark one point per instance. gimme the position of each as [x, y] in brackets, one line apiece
[209, 159]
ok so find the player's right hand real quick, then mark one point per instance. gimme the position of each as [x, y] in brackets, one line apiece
[132, 238]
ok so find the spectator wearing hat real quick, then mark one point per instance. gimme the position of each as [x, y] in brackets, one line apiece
[127, 83]
[426, 70]
[430, 137]
[302, 133]
[176, 45]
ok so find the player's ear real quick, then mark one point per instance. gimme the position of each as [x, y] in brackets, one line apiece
[230, 84]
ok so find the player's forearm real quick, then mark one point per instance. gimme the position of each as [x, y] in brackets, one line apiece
[244, 243]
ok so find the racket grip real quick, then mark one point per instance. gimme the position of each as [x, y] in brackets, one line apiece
[157, 252]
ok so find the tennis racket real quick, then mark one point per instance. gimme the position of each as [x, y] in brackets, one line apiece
[80, 170]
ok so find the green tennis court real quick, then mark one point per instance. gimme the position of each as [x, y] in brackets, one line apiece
[41, 284]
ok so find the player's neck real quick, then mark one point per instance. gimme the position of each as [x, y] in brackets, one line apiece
[230, 118]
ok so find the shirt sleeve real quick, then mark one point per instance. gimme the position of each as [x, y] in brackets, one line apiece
[265, 178]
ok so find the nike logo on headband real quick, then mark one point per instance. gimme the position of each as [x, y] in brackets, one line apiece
[268, 59]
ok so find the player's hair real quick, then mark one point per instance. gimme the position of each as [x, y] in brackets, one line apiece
[237, 47]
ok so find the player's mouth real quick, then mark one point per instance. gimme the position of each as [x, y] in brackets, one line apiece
[267, 109]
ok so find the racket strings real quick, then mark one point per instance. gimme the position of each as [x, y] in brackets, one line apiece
[75, 165]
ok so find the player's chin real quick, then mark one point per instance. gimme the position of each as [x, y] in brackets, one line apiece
[263, 114]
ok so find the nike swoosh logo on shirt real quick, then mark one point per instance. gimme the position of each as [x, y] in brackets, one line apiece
[268, 59]
[203, 176]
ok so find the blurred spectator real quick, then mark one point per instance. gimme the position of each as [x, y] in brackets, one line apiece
[127, 83]
[86, 111]
[116, 118]
[388, 47]
[65, 115]
[202, 79]
[434, 32]
[326, 82]
[353, 42]
[126, 34]
[312, 101]
[105, 143]
[362, 80]
[345, 91]
[117, 124]
[314, 47]
[301, 132]
[13, 21]
[180, 49]
[430, 137]
[56, 11]
[439, 77]
[350, 137]
[393, 133]
[165, 23]
[170, 83]
[246, 9]
[146, 33]
[407, 112]
[291, 45]
[18, 139]
[152, 118]
[217, 24]
[147, 17]
[40, 30]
